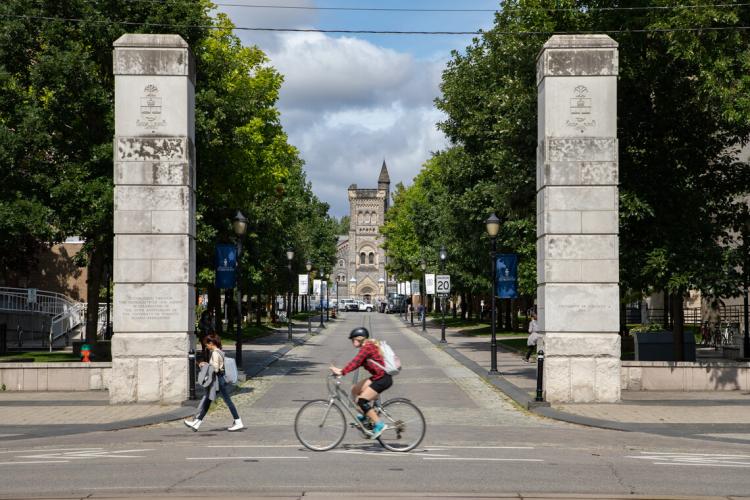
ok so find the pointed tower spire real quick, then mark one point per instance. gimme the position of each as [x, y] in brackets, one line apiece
[384, 178]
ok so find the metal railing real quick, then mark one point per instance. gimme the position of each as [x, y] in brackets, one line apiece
[66, 314]
[693, 315]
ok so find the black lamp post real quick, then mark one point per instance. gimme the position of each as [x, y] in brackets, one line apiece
[423, 265]
[321, 300]
[337, 296]
[493, 227]
[308, 266]
[328, 302]
[239, 225]
[443, 257]
[746, 276]
[289, 257]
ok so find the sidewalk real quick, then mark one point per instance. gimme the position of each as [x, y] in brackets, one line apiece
[714, 415]
[37, 414]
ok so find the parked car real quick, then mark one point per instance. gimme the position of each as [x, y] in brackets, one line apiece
[344, 303]
[364, 306]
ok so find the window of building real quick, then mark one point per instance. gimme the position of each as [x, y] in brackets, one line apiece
[372, 258]
[362, 258]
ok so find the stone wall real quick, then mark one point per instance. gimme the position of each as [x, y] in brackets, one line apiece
[74, 376]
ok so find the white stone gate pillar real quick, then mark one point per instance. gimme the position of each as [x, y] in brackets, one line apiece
[154, 218]
[577, 218]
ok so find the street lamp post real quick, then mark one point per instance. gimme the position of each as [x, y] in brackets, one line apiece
[493, 227]
[746, 276]
[337, 297]
[289, 257]
[239, 225]
[328, 301]
[443, 257]
[321, 299]
[423, 265]
[308, 266]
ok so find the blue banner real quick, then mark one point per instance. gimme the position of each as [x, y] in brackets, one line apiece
[226, 265]
[507, 275]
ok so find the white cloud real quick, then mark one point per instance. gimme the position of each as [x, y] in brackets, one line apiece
[347, 104]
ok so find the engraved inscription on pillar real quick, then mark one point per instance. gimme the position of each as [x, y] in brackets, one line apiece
[151, 105]
[580, 110]
[148, 308]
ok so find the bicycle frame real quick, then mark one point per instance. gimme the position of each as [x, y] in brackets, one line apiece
[337, 394]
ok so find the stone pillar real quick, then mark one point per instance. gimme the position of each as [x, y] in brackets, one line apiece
[154, 210]
[577, 221]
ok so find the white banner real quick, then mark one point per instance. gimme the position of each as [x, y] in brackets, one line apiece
[316, 287]
[407, 285]
[304, 284]
[429, 284]
[323, 288]
[415, 287]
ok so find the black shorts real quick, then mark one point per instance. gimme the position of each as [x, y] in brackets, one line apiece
[381, 384]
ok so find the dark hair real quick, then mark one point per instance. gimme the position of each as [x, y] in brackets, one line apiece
[214, 339]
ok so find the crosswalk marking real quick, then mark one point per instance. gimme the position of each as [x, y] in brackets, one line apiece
[703, 459]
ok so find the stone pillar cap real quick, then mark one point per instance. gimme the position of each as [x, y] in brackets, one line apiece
[151, 40]
[579, 42]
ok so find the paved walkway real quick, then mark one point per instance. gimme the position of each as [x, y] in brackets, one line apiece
[38, 414]
[718, 415]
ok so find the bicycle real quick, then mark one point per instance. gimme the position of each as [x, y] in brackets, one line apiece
[320, 425]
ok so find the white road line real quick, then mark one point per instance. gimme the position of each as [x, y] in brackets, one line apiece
[247, 458]
[701, 464]
[481, 448]
[38, 450]
[687, 454]
[488, 459]
[254, 446]
[9, 435]
[37, 462]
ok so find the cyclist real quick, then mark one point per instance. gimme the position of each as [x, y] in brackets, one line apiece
[370, 358]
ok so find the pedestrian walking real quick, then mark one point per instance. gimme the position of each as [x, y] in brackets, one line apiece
[534, 337]
[421, 311]
[211, 377]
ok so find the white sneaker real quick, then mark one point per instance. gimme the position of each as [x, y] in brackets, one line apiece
[193, 424]
[236, 426]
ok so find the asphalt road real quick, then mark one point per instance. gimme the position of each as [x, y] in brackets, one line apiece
[478, 443]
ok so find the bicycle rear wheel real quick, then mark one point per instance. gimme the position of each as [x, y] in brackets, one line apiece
[406, 425]
[320, 425]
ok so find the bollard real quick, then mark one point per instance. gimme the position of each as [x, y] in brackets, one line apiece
[191, 369]
[412, 316]
[309, 323]
[539, 375]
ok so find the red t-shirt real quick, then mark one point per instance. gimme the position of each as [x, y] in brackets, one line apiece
[369, 351]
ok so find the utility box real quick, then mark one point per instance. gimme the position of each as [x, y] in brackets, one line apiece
[657, 346]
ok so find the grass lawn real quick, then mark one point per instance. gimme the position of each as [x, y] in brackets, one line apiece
[39, 357]
[249, 332]
[515, 344]
[302, 316]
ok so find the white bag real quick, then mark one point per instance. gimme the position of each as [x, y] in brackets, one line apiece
[390, 358]
[230, 370]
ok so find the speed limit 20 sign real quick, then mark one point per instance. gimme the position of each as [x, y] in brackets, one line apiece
[443, 284]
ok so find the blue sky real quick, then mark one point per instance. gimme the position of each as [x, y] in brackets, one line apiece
[349, 101]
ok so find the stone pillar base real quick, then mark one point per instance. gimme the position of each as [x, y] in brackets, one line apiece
[582, 367]
[149, 368]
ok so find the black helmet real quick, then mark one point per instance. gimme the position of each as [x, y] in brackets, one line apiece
[359, 332]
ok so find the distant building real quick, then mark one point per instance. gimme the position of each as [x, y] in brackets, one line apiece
[360, 258]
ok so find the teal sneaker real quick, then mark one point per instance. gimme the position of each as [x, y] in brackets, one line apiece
[361, 418]
[378, 429]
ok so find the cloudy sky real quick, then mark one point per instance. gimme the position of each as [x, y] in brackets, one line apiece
[350, 101]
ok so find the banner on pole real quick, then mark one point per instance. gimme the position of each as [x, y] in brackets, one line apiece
[429, 284]
[415, 287]
[507, 275]
[304, 284]
[407, 286]
[316, 287]
[226, 265]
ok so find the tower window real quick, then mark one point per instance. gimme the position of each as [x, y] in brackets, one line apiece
[362, 258]
[372, 258]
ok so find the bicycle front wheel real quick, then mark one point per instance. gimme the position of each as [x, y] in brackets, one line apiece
[320, 425]
[406, 425]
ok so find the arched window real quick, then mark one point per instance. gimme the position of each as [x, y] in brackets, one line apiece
[362, 257]
[367, 217]
[374, 218]
[341, 262]
[372, 258]
[360, 218]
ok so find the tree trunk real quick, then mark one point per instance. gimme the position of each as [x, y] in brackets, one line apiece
[665, 319]
[514, 314]
[258, 309]
[678, 331]
[231, 306]
[453, 308]
[96, 267]
[464, 305]
[214, 304]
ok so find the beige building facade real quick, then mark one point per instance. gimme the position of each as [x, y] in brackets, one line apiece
[360, 258]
